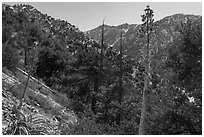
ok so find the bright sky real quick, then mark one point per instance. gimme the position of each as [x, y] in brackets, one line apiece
[89, 15]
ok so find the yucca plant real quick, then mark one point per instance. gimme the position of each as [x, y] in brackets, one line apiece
[17, 124]
[32, 124]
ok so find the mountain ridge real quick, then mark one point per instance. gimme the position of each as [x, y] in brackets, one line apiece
[127, 24]
[164, 31]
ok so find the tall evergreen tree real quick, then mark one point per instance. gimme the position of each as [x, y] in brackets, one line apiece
[147, 18]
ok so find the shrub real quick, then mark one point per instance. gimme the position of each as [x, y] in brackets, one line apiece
[10, 58]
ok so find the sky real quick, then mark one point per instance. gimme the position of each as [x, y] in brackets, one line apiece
[89, 15]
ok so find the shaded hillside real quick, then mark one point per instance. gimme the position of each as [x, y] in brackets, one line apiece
[28, 35]
[35, 39]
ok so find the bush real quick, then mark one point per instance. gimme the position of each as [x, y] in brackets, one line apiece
[10, 57]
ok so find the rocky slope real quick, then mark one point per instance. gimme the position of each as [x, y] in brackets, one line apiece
[41, 112]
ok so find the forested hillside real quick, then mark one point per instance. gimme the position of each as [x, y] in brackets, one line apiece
[97, 78]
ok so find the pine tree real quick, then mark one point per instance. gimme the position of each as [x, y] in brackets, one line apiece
[147, 18]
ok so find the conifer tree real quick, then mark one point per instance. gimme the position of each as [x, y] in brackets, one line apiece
[147, 18]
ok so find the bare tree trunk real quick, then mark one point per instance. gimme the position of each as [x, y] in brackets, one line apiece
[142, 125]
[93, 103]
[24, 91]
[98, 77]
[101, 63]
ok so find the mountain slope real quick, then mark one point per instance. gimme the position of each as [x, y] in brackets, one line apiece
[82, 85]
[164, 31]
[44, 110]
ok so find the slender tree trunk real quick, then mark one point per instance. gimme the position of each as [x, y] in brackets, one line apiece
[29, 74]
[93, 103]
[98, 77]
[24, 91]
[101, 62]
[142, 125]
[143, 116]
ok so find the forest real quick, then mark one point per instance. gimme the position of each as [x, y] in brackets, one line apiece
[139, 79]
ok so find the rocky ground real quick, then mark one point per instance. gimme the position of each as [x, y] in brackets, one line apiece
[41, 112]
